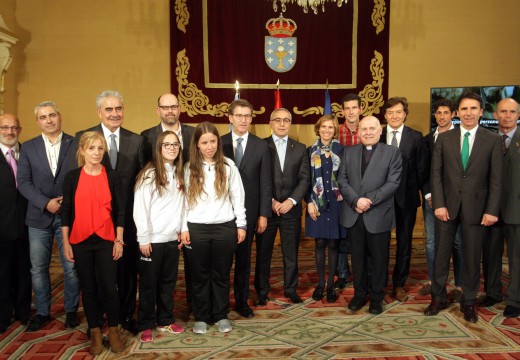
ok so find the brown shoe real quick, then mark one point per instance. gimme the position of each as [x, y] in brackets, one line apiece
[426, 290]
[96, 343]
[116, 345]
[400, 294]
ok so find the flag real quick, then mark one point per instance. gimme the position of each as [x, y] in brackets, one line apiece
[327, 108]
[277, 99]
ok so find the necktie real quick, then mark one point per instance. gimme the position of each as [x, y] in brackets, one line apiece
[394, 139]
[11, 159]
[112, 153]
[239, 153]
[504, 145]
[465, 150]
[281, 151]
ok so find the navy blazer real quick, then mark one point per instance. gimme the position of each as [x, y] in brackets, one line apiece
[35, 179]
[255, 171]
[12, 206]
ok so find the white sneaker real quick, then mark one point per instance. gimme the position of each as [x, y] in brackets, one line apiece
[200, 327]
[224, 326]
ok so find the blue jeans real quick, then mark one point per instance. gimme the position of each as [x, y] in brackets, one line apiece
[344, 250]
[429, 227]
[40, 243]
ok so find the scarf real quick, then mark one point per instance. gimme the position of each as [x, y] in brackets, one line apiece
[320, 201]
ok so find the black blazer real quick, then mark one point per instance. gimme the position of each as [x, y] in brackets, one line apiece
[70, 185]
[415, 167]
[150, 138]
[255, 171]
[294, 181]
[13, 206]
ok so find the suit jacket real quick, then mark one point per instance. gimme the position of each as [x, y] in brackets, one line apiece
[13, 206]
[379, 183]
[510, 206]
[130, 160]
[150, 138]
[475, 191]
[255, 171]
[294, 180]
[35, 179]
[415, 167]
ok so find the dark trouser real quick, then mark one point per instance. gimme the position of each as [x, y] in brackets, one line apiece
[187, 274]
[243, 267]
[15, 284]
[290, 229]
[97, 274]
[405, 222]
[127, 276]
[157, 280]
[472, 240]
[512, 235]
[492, 261]
[211, 257]
[344, 250]
[363, 243]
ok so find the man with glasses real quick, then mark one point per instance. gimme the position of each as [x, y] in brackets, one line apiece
[290, 179]
[44, 162]
[251, 156]
[15, 287]
[126, 156]
[169, 110]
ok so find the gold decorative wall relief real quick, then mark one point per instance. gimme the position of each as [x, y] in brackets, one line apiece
[378, 15]
[182, 16]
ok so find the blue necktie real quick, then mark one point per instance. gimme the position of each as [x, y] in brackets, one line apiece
[239, 153]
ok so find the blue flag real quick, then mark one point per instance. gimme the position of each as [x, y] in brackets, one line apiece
[327, 108]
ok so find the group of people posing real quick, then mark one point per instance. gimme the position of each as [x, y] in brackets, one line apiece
[122, 205]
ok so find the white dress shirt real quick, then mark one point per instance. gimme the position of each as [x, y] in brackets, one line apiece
[52, 149]
[390, 134]
[107, 133]
[234, 137]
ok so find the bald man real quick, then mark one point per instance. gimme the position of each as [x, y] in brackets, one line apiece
[15, 287]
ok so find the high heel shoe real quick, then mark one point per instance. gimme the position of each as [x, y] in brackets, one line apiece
[318, 293]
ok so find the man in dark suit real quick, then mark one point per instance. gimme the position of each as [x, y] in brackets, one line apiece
[466, 188]
[444, 112]
[169, 110]
[251, 156]
[407, 198]
[368, 178]
[15, 286]
[44, 162]
[290, 178]
[125, 155]
[507, 114]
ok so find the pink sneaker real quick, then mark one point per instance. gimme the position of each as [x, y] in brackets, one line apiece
[172, 329]
[146, 336]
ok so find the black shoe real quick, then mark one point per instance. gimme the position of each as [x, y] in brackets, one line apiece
[3, 328]
[331, 295]
[341, 283]
[129, 325]
[24, 320]
[469, 314]
[488, 301]
[375, 307]
[511, 311]
[356, 303]
[245, 311]
[37, 323]
[318, 293]
[71, 320]
[434, 307]
[294, 297]
[262, 300]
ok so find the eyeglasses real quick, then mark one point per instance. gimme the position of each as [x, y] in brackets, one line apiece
[175, 145]
[168, 107]
[243, 116]
[12, 128]
[282, 121]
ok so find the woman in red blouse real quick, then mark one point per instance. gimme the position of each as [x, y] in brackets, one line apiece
[93, 216]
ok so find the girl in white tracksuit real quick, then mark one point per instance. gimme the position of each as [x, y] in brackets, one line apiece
[158, 208]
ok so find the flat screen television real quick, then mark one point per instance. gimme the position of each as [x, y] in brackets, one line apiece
[491, 95]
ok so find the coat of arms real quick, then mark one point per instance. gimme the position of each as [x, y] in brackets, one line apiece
[280, 47]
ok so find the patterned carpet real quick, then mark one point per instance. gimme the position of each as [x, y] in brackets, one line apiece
[312, 330]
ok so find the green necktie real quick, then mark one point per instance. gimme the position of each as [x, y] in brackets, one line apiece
[465, 151]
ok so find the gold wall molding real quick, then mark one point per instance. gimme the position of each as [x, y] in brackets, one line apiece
[182, 15]
[378, 15]
[372, 94]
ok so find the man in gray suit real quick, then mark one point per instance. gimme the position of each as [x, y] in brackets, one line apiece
[126, 156]
[507, 114]
[368, 178]
[466, 188]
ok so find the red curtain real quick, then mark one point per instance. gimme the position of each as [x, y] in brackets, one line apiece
[217, 42]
